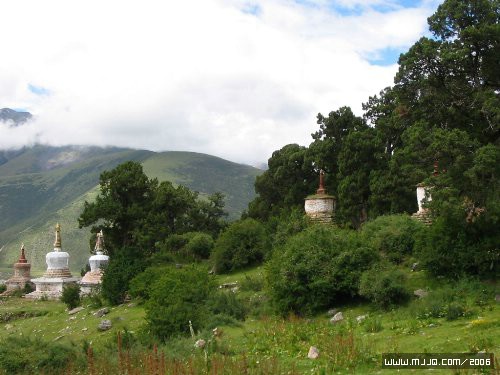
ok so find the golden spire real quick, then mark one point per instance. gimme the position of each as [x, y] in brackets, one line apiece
[99, 244]
[57, 242]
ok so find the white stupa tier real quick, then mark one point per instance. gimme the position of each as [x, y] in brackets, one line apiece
[320, 207]
[51, 284]
[98, 262]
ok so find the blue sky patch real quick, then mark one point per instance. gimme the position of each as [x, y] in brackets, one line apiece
[385, 57]
[253, 9]
[38, 90]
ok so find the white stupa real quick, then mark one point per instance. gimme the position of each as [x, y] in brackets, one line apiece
[98, 263]
[51, 284]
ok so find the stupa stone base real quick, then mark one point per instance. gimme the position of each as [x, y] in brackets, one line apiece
[57, 273]
[16, 283]
[423, 216]
[50, 288]
[90, 282]
[321, 217]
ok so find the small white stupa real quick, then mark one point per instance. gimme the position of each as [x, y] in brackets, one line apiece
[98, 263]
[51, 284]
[320, 207]
[424, 196]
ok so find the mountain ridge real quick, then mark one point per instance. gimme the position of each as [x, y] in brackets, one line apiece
[44, 184]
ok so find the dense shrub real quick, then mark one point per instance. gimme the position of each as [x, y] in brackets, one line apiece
[123, 267]
[394, 235]
[454, 247]
[176, 298]
[317, 267]
[71, 295]
[252, 283]
[385, 288]
[23, 355]
[226, 303]
[140, 285]
[242, 244]
[199, 246]
[3, 288]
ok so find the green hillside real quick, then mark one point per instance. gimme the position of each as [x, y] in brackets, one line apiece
[45, 185]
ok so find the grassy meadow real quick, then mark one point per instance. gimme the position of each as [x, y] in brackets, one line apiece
[262, 343]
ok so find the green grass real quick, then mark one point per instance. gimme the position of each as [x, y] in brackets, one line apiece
[269, 344]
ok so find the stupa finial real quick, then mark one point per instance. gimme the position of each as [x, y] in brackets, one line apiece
[57, 242]
[436, 168]
[99, 243]
[22, 258]
[321, 189]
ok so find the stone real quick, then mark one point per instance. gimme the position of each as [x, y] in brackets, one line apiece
[101, 312]
[414, 267]
[72, 318]
[217, 332]
[360, 318]
[228, 285]
[338, 317]
[200, 344]
[76, 310]
[85, 329]
[332, 312]
[313, 353]
[421, 293]
[104, 325]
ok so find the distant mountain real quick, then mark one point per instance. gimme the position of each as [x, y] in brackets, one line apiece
[42, 185]
[15, 117]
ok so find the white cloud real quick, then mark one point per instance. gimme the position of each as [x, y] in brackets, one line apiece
[205, 75]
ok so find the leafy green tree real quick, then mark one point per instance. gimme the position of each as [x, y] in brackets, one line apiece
[290, 178]
[125, 199]
[242, 244]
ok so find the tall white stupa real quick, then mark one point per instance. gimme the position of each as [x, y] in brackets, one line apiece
[51, 284]
[98, 263]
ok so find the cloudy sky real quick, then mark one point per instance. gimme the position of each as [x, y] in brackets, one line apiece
[233, 78]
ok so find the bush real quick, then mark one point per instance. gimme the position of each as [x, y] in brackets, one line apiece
[317, 267]
[176, 298]
[226, 303]
[140, 285]
[385, 288]
[394, 235]
[71, 295]
[199, 246]
[252, 284]
[3, 288]
[243, 243]
[123, 267]
[33, 356]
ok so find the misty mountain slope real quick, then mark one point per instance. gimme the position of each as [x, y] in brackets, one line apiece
[40, 187]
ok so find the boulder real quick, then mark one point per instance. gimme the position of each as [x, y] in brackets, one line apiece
[75, 310]
[104, 325]
[313, 353]
[360, 318]
[332, 312]
[200, 344]
[338, 317]
[101, 312]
